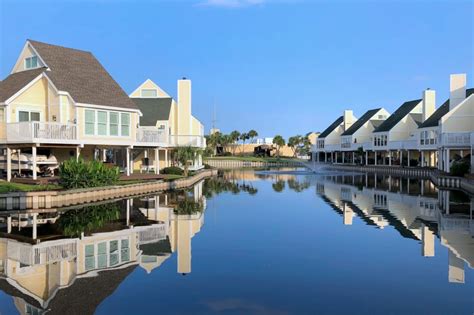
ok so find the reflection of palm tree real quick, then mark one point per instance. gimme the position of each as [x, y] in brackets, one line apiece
[215, 186]
[188, 207]
[279, 186]
[297, 186]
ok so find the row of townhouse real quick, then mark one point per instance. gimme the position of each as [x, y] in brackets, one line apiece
[416, 134]
[60, 102]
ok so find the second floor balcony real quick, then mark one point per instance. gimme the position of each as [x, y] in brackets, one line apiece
[453, 139]
[40, 132]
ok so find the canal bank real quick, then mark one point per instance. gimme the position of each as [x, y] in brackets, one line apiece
[229, 164]
[63, 198]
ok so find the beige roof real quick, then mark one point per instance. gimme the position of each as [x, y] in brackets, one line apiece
[80, 74]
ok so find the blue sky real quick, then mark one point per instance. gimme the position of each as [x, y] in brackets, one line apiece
[280, 67]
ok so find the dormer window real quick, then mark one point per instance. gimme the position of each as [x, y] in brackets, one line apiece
[31, 62]
[149, 93]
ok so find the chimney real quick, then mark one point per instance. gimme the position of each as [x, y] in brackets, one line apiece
[429, 103]
[348, 119]
[457, 89]
[184, 106]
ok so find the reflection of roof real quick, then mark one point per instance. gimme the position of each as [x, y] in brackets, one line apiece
[398, 115]
[159, 248]
[393, 221]
[333, 126]
[360, 122]
[82, 297]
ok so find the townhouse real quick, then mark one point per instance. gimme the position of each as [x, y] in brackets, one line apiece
[416, 134]
[60, 102]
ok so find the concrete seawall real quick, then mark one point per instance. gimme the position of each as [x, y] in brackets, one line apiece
[227, 164]
[64, 198]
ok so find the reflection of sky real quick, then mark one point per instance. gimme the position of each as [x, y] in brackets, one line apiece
[6, 304]
[279, 253]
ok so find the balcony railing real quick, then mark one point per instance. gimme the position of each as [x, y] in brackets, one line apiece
[41, 132]
[43, 253]
[151, 135]
[456, 139]
[194, 141]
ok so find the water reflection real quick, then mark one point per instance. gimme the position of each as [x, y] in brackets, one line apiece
[74, 258]
[414, 207]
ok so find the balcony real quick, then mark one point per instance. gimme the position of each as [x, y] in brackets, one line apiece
[456, 139]
[191, 140]
[151, 136]
[41, 132]
[43, 253]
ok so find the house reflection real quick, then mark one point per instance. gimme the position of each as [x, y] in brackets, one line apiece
[414, 207]
[48, 257]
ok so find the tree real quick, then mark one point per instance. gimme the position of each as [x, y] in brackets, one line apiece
[252, 134]
[244, 136]
[235, 136]
[185, 154]
[214, 140]
[279, 142]
[294, 143]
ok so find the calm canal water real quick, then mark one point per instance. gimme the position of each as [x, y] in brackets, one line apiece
[248, 242]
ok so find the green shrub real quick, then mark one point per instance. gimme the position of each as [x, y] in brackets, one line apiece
[207, 166]
[460, 168]
[83, 174]
[172, 170]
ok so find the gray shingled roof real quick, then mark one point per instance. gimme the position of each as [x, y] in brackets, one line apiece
[360, 122]
[398, 115]
[16, 81]
[333, 126]
[80, 74]
[417, 117]
[433, 120]
[153, 109]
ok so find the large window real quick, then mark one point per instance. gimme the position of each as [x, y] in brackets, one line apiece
[31, 62]
[114, 124]
[149, 93]
[90, 257]
[24, 115]
[102, 123]
[125, 124]
[89, 122]
[107, 254]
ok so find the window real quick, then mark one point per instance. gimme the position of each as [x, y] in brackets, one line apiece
[89, 122]
[125, 124]
[2, 115]
[124, 251]
[102, 255]
[113, 124]
[90, 257]
[31, 62]
[24, 115]
[102, 123]
[149, 93]
[113, 251]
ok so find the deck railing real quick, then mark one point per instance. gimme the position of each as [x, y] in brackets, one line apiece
[188, 140]
[152, 235]
[43, 253]
[456, 138]
[37, 132]
[151, 135]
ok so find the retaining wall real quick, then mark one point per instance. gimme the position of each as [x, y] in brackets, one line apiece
[223, 164]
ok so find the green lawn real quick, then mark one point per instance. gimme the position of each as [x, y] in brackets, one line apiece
[253, 159]
[6, 187]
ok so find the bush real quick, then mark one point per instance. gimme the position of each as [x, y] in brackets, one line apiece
[207, 166]
[460, 168]
[226, 154]
[172, 170]
[83, 174]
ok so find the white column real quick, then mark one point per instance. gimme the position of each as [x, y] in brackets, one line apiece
[128, 212]
[401, 157]
[157, 161]
[422, 153]
[9, 164]
[35, 223]
[325, 157]
[428, 242]
[78, 153]
[9, 224]
[390, 158]
[128, 161]
[353, 157]
[366, 157]
[19, 161]
[104, 155]
[447, 161]
[33, 150]
[408, 158]
[375, 157]
[166, 158]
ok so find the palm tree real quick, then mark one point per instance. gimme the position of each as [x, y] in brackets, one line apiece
[279, 142]
[294, 143]
[252, 134]
[235, 136]
[185, 154]
[244, 136]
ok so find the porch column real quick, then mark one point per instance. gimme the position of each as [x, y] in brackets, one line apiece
[366, 157]
[9, 224]
[19, 161]
[128, 212]
[428, 241]
[439, 158]
[375, 157]
[166, 158]
[35, 223]
[104, 155]
[33, 151]
[353, 157]
[422, 153]
[390, 158]
[145, 156]
[336, 157]
[157, 161]
[128, 161]
[325, 157]
[78, 153]
[408, 158]
[400, 154]
[9, 164]
[447, 161]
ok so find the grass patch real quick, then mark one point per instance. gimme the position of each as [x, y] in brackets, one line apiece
[253, 159]
[6, 187]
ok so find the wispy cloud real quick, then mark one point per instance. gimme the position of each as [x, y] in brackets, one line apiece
[231, 3]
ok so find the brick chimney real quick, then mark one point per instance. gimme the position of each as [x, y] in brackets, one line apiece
[429, 103]
[184, 106]
[457, 89]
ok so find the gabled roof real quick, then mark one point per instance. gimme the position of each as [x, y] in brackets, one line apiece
[417, 117]
[377, 122]
[398, 115]
[333, 126]
[16, 81]
[359, 123]
[153, 109]
[80, 74]
[433, 120]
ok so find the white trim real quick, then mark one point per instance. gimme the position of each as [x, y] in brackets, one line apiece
[107, 107]
[19, 59]
[158, 88]
[23, 108]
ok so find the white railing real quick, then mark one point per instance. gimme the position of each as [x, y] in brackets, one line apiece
[152, 235]
[185, 140]
[456, 138]
[43, 253]
[151, 135]
[34, 132]
[402, 145]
